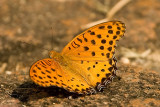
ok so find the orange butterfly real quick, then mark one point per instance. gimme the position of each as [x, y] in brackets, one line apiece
[86, 64]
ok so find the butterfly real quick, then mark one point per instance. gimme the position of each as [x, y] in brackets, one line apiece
[86, 65]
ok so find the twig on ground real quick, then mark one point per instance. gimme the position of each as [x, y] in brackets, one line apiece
[128, 53]
[103, 8]
[110, 14]
[3, 68]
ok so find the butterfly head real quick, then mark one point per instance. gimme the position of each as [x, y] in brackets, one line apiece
[56, 56]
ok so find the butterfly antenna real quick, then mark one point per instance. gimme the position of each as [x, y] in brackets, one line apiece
[52, 41]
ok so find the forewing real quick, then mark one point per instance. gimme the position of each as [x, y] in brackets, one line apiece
[96, 43]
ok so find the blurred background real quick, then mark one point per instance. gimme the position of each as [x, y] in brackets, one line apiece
[28, 26]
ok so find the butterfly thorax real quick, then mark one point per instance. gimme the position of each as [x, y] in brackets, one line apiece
[58, 57]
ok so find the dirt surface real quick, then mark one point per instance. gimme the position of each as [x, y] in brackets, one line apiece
[26, 31]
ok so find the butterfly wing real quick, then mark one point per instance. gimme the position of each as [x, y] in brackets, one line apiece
[97, 73]
[47, 72]
[96, 43]
[92, 52]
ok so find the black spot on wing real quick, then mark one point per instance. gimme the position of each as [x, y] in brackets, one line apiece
[102, 54]
[103, 70]
[114, 37]
[47, 62]
[38, 67]
[49, 76]
[99, 36]
[59, 75]
[85, 39]
[110, 69]
[93, 42]
[42, 72]
[103, 41]
[86, 48]
[80, 40]
[53, 69]
[88, 68]
[40, 77]
[93, 54]
[118, 28]
[108, 55]
[110, 31]
[51, 81]
[69, 48]
[101, 47]
[81, 62]
[110, 48]
[111, 42]
[98, 75]
[48, 71]
[73, 45]
[34, 71]
[92, 33]
[76, 44]
[35, 75]
[101, 27]
[109, 27]
[43, 64]
[89, 31]
[118, 32]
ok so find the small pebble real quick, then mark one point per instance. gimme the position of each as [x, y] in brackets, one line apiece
[125, 60]
[8, 72]
[70, 97]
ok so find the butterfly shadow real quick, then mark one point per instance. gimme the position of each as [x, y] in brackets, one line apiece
[30, 91]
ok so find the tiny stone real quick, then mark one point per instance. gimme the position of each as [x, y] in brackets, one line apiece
[125, 60]
[8, 72]
[70, 97]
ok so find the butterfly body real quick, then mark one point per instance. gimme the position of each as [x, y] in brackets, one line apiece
[59, 58]
[86, 64]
